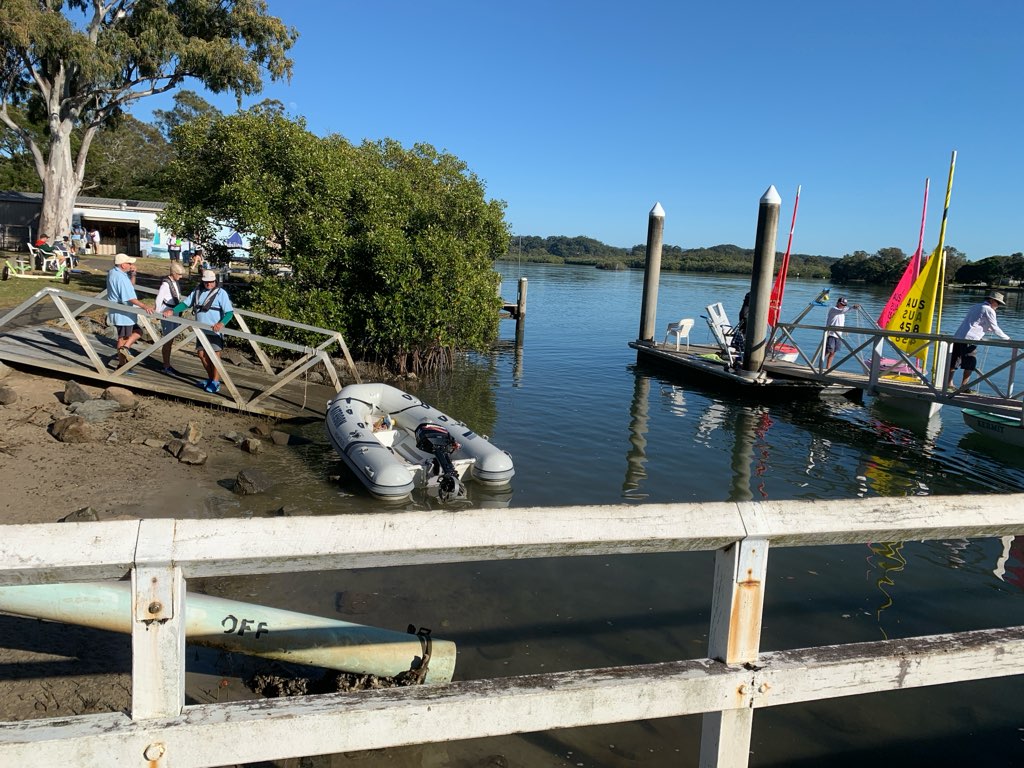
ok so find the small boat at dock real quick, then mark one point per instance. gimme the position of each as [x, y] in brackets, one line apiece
[1006, 429]
[394, 443]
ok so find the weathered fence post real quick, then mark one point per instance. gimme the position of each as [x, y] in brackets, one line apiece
[761, 280]
[158, 624]
[652, 272]
[734, 638]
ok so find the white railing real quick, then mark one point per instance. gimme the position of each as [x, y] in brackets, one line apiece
[728, 685]
[71, 305]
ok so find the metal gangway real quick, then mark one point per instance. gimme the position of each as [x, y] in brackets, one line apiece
[44, 332]
[877, 362]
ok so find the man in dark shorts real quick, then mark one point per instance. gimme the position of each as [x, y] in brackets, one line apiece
[121, 290]
[981, 319]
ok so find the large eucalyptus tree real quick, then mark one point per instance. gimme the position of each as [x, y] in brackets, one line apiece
[78, 64]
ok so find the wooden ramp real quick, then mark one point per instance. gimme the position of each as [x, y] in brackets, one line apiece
[61, 345]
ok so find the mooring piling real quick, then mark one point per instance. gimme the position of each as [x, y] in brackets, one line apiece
[521, 312]
[761, 280]
[652, 272]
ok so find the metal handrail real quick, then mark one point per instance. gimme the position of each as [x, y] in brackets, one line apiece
[931, 377]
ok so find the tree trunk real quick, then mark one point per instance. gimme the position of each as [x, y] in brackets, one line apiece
[61, 183]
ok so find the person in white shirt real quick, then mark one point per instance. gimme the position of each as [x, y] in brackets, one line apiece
[836, 319]
[168, 297]
[981, 319]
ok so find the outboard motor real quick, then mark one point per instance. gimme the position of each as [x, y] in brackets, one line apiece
[437, 441]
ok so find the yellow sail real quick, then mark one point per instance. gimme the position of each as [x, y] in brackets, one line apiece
[917, 311]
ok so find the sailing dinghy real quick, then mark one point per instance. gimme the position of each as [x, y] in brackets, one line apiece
[1006, 429]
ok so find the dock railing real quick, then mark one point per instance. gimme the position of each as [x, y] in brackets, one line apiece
[728, 685]
[70, 306]
[874, 353]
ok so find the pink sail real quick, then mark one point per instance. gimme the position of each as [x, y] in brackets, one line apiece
[910, 273]
[909, 276]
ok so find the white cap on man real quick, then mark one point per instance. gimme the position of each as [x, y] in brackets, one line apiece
[123, 258]
[209, 276]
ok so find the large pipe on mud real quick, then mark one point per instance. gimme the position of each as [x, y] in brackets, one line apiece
[247, 628]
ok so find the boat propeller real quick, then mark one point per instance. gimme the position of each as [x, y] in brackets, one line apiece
[437, 441]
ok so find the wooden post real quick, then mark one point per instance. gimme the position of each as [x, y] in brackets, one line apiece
[734, 638]
[761, 280]
[158, 624]
[521, 312]
[652, 272]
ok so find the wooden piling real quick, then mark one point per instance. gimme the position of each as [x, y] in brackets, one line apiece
[652, 273]
[761, 280]
[521, 312]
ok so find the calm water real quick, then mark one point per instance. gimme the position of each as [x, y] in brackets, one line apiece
[587, 425]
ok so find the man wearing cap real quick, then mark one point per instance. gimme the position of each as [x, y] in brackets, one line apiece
[981, 319]
[121, 290]
[836, 319]
[167, 298]
[212, 306]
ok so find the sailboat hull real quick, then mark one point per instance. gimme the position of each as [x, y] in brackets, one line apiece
[1002, 428]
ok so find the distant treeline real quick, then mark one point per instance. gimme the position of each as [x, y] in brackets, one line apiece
[722, 259]
[884, 267]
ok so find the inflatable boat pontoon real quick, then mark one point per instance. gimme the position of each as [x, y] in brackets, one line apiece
[394, 443]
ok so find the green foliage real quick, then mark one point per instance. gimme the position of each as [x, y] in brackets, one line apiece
[995, 270]
[393, 247]
[128, 160]
[188, 106]
[886, 266]
[722, 259]
[77, 65]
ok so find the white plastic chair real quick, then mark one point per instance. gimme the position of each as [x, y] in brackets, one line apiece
[680, 330]
[48, 260]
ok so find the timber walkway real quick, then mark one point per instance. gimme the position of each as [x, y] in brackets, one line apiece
[62, 346]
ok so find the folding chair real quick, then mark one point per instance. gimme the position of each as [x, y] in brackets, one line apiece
[722, 330]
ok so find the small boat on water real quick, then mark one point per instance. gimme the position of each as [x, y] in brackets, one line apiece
[393, 443]
[1004, 428]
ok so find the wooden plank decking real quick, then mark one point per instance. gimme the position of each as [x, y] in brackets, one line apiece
[50, 348]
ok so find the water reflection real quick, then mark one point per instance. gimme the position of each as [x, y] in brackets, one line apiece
[1010, 564]
[750, 455]
[636, 458]
[890, 561]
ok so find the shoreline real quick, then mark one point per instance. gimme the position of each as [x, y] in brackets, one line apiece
[50, 669]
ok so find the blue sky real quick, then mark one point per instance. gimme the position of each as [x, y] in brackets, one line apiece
[582, 115]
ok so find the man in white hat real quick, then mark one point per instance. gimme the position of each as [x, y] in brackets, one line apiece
[981, 319]
[167, 298]
[121, 290]
[212, 306]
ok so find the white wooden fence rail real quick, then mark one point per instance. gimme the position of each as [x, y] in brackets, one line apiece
[162, 554]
